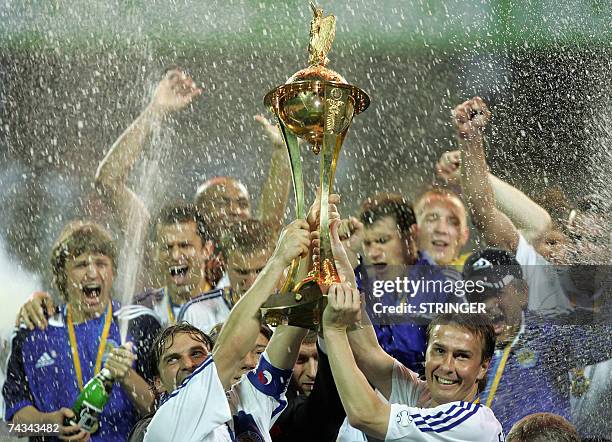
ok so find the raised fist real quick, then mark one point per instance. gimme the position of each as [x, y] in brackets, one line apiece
[448, 167]
[174, 92]
[471, 117]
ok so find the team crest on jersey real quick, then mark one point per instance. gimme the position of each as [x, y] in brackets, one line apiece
[403, 418]
[526, 358]
[264, 377]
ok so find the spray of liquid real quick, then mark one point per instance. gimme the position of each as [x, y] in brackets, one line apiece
[132, 253]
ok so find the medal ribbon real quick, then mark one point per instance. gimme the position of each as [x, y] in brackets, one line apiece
[502, 364]
[101, 347]
[498, 374]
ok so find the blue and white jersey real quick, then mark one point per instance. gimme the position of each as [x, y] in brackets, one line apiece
[257, 401]
[453, 422]
[205, 310]
[41, 370]
[196, 411]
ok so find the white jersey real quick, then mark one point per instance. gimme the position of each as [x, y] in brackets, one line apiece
[257, 401]
[196, 411]
[205, 310]
[546, 294]
[452, 422]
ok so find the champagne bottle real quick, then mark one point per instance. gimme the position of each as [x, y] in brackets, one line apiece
[91, 401]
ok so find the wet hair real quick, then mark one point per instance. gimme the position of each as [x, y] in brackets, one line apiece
[310, 338]
[248, 237]
[179, 213]
[436, 190]
[383, 205]
[543, 427]
[478, 325]
[265, 330]
[165, 339]
[78, 237]
[216, 330]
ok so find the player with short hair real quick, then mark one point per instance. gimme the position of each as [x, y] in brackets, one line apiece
[390, 252]
[543, 427]
[193, 380]
[441, 225]
[458, 353]
[245, 249]
[48, 368]
[534, 353]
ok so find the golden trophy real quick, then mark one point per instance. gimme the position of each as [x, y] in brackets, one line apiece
[317, 105]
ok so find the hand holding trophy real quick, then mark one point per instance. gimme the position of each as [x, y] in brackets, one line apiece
[317, 105]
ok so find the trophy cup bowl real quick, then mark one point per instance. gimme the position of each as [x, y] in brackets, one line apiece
[300, 103]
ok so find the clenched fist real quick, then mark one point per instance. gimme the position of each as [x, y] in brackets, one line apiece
[471, 118]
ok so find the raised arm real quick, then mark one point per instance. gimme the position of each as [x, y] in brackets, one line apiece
[238, 335]
[529, 218]
[372, 360]
[471, 118]
[275, 190]
[532, 220]
[284, 347]
[365, 410]
[174, 92]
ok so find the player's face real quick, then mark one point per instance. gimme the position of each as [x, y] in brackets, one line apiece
[243, 269]
[505, 309]
[453, 364]
[179, 360]
[441, 227]
[181, 257]
[251, 360]
[226, 203]
[89, 280]
[305, 368]
[384, 246]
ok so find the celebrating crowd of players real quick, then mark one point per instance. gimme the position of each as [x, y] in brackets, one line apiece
[200, 365]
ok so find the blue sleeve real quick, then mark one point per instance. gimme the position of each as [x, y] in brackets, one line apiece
[268, 379]
[16, 391]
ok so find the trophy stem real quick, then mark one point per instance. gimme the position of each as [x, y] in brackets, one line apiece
[299, 267]
[332, 143]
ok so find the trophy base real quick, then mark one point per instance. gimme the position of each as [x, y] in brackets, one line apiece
[302, 308]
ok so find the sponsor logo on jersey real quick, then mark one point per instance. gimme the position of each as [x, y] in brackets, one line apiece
[482, 263]
[264, 377]
[45, 360]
